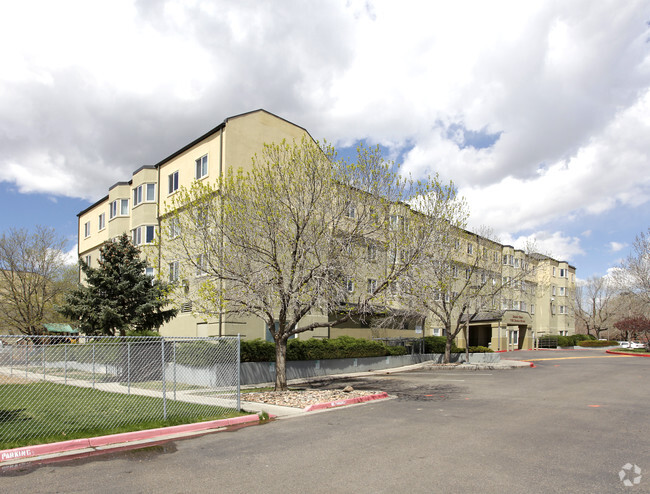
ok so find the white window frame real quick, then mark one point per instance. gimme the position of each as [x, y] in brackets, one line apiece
[372, 285]
[88, 259]
[350, 210]
[172, 182]
[101, 222]
[201, 167]
[87, 229]
[174, 227]
[562, 291]
[349, 285]
[139, 235]
[141, 193]
[202, 265]
[371, 252]
[532, 308]
[470, 248]
[174, 271]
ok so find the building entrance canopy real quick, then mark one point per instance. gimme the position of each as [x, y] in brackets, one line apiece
[505, 317]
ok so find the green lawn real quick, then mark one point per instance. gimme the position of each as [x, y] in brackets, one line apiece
[44, 412]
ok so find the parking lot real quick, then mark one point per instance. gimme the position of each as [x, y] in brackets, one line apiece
[570, 424]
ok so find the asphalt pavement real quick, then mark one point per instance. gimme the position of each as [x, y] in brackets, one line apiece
[576, 422]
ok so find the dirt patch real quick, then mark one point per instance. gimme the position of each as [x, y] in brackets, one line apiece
[4, 379]
[404, 390]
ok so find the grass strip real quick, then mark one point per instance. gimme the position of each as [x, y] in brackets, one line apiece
[44, 412]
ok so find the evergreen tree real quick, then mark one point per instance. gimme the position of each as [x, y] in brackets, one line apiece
[118, 295]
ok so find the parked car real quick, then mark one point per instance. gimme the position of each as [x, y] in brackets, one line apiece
[630, 344]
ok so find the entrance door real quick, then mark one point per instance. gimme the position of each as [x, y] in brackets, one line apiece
[513, 339]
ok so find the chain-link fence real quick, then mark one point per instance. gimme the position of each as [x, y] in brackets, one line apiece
[52, 387]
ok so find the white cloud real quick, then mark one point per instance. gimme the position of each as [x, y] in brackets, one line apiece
[616, 246]
[553, 244]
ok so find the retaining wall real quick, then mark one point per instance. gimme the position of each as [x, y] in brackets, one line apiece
[264, 372]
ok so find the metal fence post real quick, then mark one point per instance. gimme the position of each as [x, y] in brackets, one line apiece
[162, 351]
[93, 365]
[174, 351]
[128, 365]
[238, 363]
[11, 368]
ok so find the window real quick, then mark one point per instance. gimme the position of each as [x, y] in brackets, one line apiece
[144, 193]
[468, 273]
[516, 262]
[173, 271]
[437, 331]
[511, 260]
[174, 227]
[143, 234]
[173, 182]
[553, 309]
[470, 248]
[87, 229]
[532, 308]
[372, 252]
[202, 265]
[515, 304]
[87, 260]
[563, 309]
[562, 291]
[496, 257]
[553, 270]
[505, 259]
[396, 222]
[201, 168]
[102, 221]
[563, 273]
[349, 285]
[149, 272]
[457, 244]
[351, 210]
[522, 305]
[119, 207]
[372, 285]
[553, 290]
[454, 271]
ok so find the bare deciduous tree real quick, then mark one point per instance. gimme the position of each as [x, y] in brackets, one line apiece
[33, 277]
[634, 274]
[302, 240]
[595, 309]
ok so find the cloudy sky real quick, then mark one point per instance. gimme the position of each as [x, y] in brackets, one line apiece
[539, 111]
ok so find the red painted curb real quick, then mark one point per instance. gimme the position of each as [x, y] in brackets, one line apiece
[349, 401]
[630, 354]
[63, 446]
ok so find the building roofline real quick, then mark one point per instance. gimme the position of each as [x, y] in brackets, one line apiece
[105, 198]
[192, 144]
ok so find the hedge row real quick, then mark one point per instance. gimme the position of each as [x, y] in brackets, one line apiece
[436, 344]
[597, 343]
[318, 349]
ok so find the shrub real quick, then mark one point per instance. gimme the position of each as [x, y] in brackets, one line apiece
[564, 341]
[436, 344]
[257, 351]
[480, 349]
[318, 349]
[597, 343]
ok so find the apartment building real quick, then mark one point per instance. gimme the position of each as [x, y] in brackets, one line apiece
[536, 293]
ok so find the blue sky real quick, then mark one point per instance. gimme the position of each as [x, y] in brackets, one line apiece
[538, 111]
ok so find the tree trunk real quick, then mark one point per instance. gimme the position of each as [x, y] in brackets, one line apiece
[281, 365]
[448, 349]
[466, 331]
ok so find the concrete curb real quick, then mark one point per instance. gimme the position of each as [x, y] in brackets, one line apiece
[349, 401]
[630, 354]
[31, 452]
